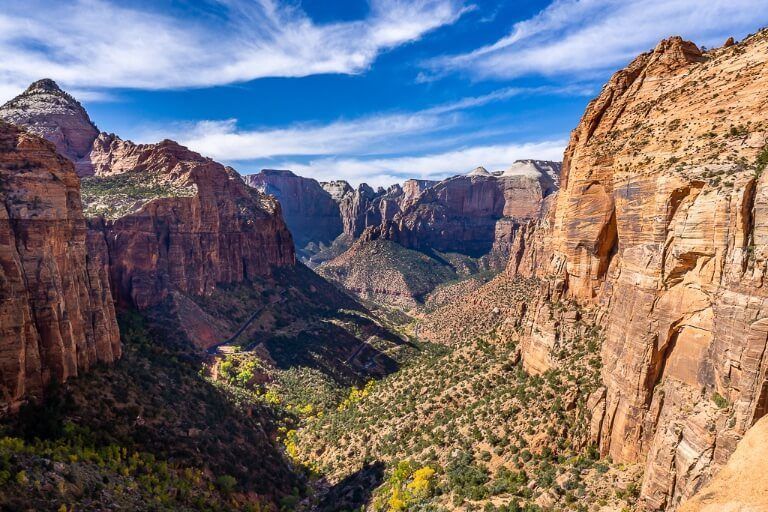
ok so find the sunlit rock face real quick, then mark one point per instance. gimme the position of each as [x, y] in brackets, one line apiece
[473, 214]
[198, 225]
[57, 318]
[45, 110]
[661, 224]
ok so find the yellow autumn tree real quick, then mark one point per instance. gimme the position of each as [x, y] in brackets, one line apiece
[421, 485]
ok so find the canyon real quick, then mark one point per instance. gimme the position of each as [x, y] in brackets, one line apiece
[657, 233]
[168, 221]
[447, 230]
[546, 336]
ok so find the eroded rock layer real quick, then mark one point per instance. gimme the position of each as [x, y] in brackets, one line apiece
[57, 318]
[45, 110]
[661, 227]
[311, 212]
[184, 222]
[474, 214]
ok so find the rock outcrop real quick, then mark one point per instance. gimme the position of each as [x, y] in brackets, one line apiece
[325, 217]
[743, 483]
[311, 212]
[45, 110]
[660, 228]
[474, 214]
[57, 318]
[162, 219]
[413, 238]
[173, 220]
[365, 207]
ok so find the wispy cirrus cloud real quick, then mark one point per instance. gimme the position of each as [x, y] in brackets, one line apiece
[422, 130]
[577, 37]
[94, 44]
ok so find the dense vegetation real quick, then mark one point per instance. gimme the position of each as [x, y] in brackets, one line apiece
[117, 195]
[469, 428]
[150, 433]
[319, 405]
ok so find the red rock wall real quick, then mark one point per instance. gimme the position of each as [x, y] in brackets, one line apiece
[468, 214]
[56, 313]
[310, 212]
[661, 225]
[225, 233]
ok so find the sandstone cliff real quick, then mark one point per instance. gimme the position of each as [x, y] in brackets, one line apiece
[173, 220]
[56, 313]
[45, 110]
[660, 228]
[743, 483]
[364, 207]
[418, 237]
[310, 211]
[474, 214]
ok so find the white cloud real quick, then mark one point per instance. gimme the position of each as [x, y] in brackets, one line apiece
[386, 171]
[377, 134]
[92, 44]
[583, 36]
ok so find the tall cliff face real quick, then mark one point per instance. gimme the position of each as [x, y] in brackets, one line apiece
[45, 110]
[365, 207]
[661, 227]
[173, 220]
[56, 313]
[474, 214]
[325, 217]
[310, 211]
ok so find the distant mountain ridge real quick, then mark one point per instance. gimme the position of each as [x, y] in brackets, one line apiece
[473, 214]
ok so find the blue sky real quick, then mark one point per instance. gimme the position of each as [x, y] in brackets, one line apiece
[376, 91]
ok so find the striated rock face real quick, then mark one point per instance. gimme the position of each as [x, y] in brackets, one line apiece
[473, 214]
[184, 222]
[365, 207]
[743, 483]
[311, 212]
[414, 238]
[660, 227]
[45, 110]
[56, 313]
[412, 189]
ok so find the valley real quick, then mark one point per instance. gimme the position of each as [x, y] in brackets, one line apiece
[588, 335]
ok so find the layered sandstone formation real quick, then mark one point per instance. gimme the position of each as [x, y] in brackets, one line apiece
[473, 214]
[56, 313]
[45, 110]
[742, 485]
[413, 238]
[660, 229]
[310, 211]
[164, 221]
[186, 223]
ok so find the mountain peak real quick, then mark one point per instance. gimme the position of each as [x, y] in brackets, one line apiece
[48, 111]
[480, 171]
[44, 85]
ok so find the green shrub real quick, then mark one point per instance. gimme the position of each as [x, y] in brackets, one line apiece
[226, 483]
[719, 400]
